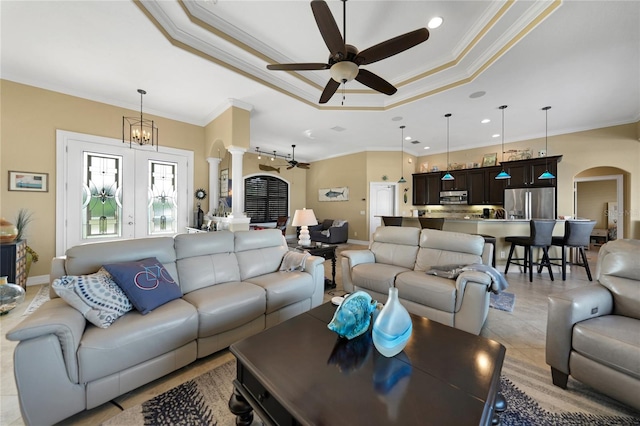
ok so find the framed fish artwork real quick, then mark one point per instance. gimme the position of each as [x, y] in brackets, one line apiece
[334, 194]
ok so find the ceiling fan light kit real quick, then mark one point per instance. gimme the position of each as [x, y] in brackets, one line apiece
[345, 60]
[344, 71]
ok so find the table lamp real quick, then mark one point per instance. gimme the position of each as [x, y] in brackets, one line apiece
[303, 218]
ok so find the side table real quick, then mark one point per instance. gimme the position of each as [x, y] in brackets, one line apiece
[328, 251]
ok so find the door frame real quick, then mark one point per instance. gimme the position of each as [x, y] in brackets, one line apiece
[62, 163]
[396, 203]
[619, 196]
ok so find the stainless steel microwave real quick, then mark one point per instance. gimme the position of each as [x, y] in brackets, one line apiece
[453, 197]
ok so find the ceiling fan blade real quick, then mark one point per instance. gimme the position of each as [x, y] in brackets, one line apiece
[329, 90]
[303, 165]
[298, 67]
[392, 46]
[375, 82]
[290, 167]
[329, 29]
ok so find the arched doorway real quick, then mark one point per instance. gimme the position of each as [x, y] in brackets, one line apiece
[599, 194]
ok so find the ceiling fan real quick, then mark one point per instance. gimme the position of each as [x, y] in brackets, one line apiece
[293, 163]
[345, 60]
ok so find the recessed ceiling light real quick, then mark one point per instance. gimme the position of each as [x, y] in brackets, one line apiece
[497, 135]
[435, 22]
[427, 147]
[477, 94]
[396, 119]
[407, 138]
[485, 121]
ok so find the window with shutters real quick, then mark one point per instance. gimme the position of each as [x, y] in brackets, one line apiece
[266, 198]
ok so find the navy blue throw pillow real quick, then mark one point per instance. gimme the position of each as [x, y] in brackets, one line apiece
[146, 283]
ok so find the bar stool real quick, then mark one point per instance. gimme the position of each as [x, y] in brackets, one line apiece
[577, 234]
[490, 239]
[392, 221]
[431, 222]
[540, 237]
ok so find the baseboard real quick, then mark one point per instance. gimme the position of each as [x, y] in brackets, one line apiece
[358, 242]
[38, 280]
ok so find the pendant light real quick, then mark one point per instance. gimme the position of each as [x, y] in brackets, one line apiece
[447, 175]
[139, 130]
[402, 179]
[547, 174]
[503, 174]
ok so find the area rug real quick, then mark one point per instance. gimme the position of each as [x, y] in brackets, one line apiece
[503, 301]
[41, 297]
[203, 401]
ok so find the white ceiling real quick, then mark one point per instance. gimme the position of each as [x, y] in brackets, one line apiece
[193, 57]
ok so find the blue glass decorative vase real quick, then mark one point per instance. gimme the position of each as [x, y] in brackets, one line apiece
[353, 316]
[392, 327]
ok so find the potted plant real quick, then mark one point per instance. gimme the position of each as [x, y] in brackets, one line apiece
[23, 219]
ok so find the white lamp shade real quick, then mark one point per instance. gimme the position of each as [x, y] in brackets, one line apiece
[304, 217]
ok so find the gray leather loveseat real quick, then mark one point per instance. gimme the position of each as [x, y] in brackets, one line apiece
[400, 256]
[593, 332]
[231, 288]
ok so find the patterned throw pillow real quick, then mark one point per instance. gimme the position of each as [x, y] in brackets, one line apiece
[146, 283]
[96, 296]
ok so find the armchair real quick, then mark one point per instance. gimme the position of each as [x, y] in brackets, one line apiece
[330, 231]
[593, 332]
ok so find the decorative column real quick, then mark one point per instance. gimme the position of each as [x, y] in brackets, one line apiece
[237, 186]
[214, 183]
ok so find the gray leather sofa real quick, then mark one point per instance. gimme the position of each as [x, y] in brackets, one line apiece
[593, 332]
[232, 288]
[400, 256]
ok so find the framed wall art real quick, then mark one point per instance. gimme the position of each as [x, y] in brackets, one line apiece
[224, 182]
[489, 160]
[333, 194]
[28, 181]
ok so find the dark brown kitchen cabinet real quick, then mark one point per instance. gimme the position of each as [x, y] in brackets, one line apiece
[484, 188]
[526, 172]
[459, 182]
[426, 189]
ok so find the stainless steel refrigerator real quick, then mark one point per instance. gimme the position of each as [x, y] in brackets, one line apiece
[530, 203]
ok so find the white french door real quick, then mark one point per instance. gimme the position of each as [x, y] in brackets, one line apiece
[382, 202]
[107, 191]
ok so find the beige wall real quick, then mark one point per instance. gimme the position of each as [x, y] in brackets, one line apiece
[342, 171]
[592, 200]
[30, 117]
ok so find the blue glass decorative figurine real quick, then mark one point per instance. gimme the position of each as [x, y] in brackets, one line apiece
[392, 327]
[353, 316]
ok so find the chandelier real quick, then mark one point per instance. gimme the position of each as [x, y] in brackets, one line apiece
[139, 130]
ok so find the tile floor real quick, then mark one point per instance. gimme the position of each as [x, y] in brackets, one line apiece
[521, 331]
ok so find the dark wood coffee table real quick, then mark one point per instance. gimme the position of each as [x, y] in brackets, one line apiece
[300, 372]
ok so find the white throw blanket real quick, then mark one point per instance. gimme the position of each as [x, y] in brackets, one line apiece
[293, 261]
[498, 282]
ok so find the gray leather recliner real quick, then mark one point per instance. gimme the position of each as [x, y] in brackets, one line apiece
[593, 332]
